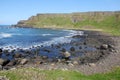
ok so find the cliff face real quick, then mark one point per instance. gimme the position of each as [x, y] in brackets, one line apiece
[72, 20]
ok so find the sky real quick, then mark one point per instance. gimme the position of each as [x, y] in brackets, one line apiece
[11, 11]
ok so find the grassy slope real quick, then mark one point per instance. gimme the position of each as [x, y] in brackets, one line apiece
[36, 74]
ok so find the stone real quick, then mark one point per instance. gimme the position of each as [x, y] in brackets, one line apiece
[75, 62]
[12, 63]
[52, 64]
[3, 62]
[70, 64]
[92, 64]
[44, 57]
[47, 50]
[3, 78]
[17, 55]
[1, 51]
[66, 54]
[63, 50]
[1, 67]
[111, 46]
[80, 47]
[72, 49]
[104, 46]
[24, 61]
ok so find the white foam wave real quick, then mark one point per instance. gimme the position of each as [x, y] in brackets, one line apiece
[46, 34]
[5, 35]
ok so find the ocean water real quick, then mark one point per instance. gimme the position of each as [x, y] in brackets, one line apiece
[28, 37]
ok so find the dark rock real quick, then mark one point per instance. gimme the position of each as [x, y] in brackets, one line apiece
[1, 51]
[3, 62]
[85, 43]
[6, 51]
[47, 50]
[80, 47]
[12, 63]
[76, 36]
[63, 50]
[72, 49]
[111, 46]
[58, 46]
[24, 61]
[17, 55]
[104, 46]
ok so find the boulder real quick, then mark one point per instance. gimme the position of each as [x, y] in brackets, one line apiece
[23, 61]
[12, 63]
[1, 51]
[75, 62]
[104, 46]
[66, 54]
[17, 55]
[47, 50]
[44, 57]
[3, 62]
[63, 50]
[72, 49]
[111, 46]
[92, 64]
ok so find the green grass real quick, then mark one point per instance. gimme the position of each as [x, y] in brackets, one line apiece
[37, 74]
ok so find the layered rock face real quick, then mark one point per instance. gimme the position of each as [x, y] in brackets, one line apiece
[72, 19]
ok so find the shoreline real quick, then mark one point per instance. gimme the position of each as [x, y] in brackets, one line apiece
[102, 43]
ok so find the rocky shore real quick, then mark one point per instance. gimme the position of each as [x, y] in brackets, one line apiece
[83, 50]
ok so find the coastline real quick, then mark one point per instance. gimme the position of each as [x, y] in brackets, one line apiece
[90, 60]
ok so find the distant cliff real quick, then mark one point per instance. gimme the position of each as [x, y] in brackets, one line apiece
[73, 20]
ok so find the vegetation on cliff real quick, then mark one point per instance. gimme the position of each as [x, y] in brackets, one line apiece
[106, 21]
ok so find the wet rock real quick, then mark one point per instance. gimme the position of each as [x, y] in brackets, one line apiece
[47, 50]
[3, 62]
[6, 51]
[76, 36]
[24, 61]
[17, 55]
[104, 46]
[66, 54]
[58, 46]
[1, 51]
[85, 43]
[63, 50]
[72, 49]
[80, 47]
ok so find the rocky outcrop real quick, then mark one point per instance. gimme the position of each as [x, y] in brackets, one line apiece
[72, 19]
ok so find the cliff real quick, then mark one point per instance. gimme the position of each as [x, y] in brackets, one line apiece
[74, 20]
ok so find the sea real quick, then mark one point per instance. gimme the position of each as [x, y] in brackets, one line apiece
[16, 37]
